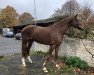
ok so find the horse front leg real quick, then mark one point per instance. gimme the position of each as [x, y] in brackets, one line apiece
[24, 51]
[56, 55]
[48, 57]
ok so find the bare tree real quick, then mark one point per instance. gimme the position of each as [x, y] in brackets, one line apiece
[57, 13]
[85, 16]
[91, 19]
[86, 12]
[71, 7]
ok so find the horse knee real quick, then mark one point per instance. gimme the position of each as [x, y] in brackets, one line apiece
[24, 53]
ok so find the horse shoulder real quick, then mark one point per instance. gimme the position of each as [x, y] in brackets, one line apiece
[56, 38]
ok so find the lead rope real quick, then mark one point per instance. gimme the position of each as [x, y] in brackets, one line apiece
[87, 49]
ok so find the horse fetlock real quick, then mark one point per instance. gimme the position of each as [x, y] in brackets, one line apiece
[29, 59]
[57, 66]
[44, 69]
[24, 65]
[23, 62]
[44, 64]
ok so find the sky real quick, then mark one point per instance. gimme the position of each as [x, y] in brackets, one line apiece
[44, 8]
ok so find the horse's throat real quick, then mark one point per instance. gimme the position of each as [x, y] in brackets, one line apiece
[63, 29]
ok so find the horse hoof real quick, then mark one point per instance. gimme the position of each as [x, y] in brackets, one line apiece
[23, 65]
[57, 66]
[45, 70]
[30, 62]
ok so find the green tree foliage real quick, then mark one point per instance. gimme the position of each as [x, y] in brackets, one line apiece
[9, 17]
[26, 18]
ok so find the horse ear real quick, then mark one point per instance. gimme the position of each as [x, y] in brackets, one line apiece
[76, 16]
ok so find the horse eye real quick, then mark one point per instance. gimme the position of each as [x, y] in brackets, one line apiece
[77, 20]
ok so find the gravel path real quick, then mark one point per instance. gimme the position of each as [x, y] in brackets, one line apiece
[9, 46]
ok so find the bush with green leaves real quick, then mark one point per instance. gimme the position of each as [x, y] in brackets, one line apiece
[40, 53]
[72, 61]
[76, 62]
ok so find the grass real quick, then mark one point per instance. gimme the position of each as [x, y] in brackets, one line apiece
[36, 67]
[1, 57]
[39, 53]
[68, 65]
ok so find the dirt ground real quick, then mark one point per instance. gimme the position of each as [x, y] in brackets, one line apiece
[11, 65]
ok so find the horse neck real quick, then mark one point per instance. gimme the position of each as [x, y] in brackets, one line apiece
[62, 26]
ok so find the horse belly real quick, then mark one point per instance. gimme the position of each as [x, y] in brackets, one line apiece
[42, 41]
[42, 38]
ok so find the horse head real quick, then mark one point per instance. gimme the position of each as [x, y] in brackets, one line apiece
[76, 23]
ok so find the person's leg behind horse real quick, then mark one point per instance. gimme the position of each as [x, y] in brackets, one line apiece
[24, 51]
[48, 57]
[30, 42]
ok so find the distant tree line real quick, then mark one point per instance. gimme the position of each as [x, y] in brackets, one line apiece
[86, 16]
[9, 17]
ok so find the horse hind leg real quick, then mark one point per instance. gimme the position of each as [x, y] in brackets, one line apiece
[24, 51]
[28, 50]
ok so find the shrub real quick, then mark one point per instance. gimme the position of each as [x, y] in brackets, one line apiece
[70, 61]
[76, 62]
[1, 57]
[68, 69]
[40, 53]
[83, 65]
[63, 58]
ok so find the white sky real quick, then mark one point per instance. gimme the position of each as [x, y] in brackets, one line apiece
[44, 8]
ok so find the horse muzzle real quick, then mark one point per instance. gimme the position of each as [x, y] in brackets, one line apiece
[81, 28]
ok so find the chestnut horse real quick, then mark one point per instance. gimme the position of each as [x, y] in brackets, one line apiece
[51, 35]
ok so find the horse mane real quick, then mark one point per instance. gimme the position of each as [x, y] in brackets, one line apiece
[62, 20]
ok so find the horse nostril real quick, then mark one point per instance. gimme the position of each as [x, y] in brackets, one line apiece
[81, 26]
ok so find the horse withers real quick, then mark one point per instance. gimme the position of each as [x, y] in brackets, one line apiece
[51, 35]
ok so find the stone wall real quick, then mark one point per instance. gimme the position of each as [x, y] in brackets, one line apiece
[72, 47]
